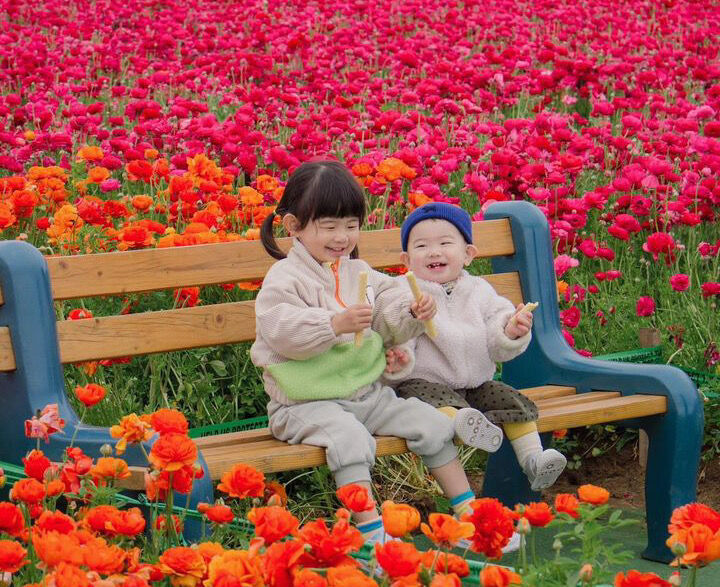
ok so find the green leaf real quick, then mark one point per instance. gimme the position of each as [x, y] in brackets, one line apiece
[219, 367]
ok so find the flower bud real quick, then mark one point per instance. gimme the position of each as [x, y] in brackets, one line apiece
[106, 450]
[557, 544]
[586, 573]
[678, 549]
[523, 526]
[675, 579]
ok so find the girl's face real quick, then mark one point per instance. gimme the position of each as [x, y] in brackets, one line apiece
[327, 239]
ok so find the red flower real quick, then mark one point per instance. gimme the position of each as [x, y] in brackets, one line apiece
[90, 394]
[187, 297]
[12, 556]
[242, 481]
[29, 491]
[397, 558]
[330, 548]
[493, 526]
[36, 463]
[273, 523]
[11, 519]
[680, 282]
[710, 289]
[355, 498]
[638, 579]
[166, 421]
[218, 514]
[694, 513]
[566, 503]
[645, 306]
[538, 514]
[571, 317]
[659, 242]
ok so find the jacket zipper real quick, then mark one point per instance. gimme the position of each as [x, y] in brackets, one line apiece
[334, 267]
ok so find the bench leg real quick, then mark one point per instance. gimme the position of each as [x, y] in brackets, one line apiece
[505, 480]
[202, 492]
[670, 482]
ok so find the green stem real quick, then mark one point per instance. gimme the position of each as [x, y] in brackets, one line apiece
[77, 426]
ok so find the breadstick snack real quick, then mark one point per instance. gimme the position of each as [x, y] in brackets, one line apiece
[417, 294]
[361, 299]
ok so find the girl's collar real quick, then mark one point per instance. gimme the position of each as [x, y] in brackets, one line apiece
[299, 251]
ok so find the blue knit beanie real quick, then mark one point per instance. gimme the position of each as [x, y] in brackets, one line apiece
[442, 210]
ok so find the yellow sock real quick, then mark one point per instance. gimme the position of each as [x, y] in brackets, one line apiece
[515, 430]
[449, 411]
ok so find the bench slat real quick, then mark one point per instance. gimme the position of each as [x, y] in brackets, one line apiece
[600, 412]
[83, 276]
[7, 355]
[580, 398]
[547, 391]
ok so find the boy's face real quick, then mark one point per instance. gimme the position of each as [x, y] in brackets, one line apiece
[437, 251]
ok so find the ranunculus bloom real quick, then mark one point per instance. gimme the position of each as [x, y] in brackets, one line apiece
[567, 503]
[218, 514]
[331, 547]
[110, 468]
[571, 317]
[659, 242]
[11, 519]
[12, 556]
[694, 513]
[538, 514]
[242, 481]
[442, 580]
[235, 567]
[132, 429]
[445, 562]
[307, 578]
[710, 289]
[29, 491]
[702, 545]
[680, 282]
[494, 576]
[90, 394]
[494, 525]
[36, 463]
[184, 565]
[167, 420]
[348, 576]
[446, 530]
[645, 306]
[273, 523]
[563, 263]
[638, 579]
[355, 498]
[104, 558]
[397, 558]
[56, 521]
[593, 494]
[282, 560]
[399, 519]
[173, 451]
[54, 548]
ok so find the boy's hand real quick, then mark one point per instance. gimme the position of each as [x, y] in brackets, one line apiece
[396, 359]
[355, 319]
[425, 309]
[519, 324]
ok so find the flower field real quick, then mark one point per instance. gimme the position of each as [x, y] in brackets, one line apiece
[159, 123]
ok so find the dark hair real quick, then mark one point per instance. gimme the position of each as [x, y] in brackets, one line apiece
[321, 189]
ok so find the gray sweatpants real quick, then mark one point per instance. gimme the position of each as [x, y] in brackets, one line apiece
[345, 429]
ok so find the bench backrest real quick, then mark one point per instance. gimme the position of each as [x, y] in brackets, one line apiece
[107, 337]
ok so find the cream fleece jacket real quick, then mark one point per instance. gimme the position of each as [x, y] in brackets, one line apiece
[298, 299]
[470, 339]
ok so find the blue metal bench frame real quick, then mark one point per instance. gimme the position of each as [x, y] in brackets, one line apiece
[675, 437]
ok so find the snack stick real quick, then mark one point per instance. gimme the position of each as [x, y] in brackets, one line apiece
[529, 307]
[417, 294]
[361, 299]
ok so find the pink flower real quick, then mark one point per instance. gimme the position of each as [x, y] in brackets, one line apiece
[680, 282]
[571, 317]
[645, 306]
[659, 242]
[710, 289]
[563, 263]
[47, 422]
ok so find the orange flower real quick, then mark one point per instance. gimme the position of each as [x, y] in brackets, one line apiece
[90, 394]
[132, 429]
[250, 197]
[90, 154]
[209, 550]
[445, 562]
[494, 576]
[108, 468]
[172, 452]
[701, 545]
[29, 491]
[98, 174]
[281, 560]
[185, 566]
[273, 523]
[347, 576]
[166, 421]
[266, 183]
[397, 558]
[694, 513]
[54, 548]
[275, 494]
[638, 579]
[139, 170]
[393, 168]
[55, 521]
[308, 578]
[141, 202]
[12, 556]
[187, 297]
[451, 580]
[242, 481]
[362, 169]
[331, 547]
[538, 514]
[104, 558]
[161, 524]
[219, 514]
[399, 519]
[235, 567]
[11, 519]
[67, 575]
[355, 498]
[593, 494]
[446, 530]
[54, 487]
[567, 503]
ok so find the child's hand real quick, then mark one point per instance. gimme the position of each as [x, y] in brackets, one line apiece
[519, 324]
[355, 319]
[425, 309]
[396, 359]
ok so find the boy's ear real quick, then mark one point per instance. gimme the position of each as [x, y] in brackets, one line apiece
[470, 253]
[405, 259]
[290, 223]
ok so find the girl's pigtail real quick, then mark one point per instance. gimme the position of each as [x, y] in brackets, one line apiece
[268, 239]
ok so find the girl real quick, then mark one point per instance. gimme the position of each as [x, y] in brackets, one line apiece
[323, 386]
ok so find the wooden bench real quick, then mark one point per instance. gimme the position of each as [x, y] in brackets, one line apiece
[569, 389]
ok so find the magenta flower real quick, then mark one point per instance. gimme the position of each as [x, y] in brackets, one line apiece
[680, 282]
[645, 306]
[563, 263]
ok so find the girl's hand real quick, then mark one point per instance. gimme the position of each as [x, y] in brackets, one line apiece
[355, 319]
[425, 309]
[519, 324]
[396, 359]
